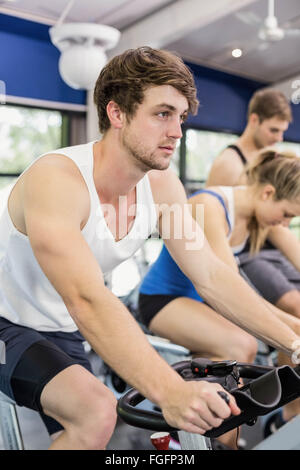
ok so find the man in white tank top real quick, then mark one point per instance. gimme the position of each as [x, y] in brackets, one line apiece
[75, 214]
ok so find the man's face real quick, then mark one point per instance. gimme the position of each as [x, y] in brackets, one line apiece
[268, 132]
[152, 133]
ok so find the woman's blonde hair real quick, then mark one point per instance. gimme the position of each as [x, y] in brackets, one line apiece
[282, 171]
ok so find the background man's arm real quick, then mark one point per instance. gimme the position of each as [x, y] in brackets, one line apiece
[226, 170]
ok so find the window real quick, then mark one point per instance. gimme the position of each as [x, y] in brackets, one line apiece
[25, 134]
[202, 147]
[175, 161]
[293, 146]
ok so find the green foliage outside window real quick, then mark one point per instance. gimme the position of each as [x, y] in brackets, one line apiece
[25, 134]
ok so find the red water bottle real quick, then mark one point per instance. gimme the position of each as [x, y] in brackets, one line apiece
[160, 440]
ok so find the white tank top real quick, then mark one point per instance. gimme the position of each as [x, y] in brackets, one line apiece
[228, 192]
[26, 296]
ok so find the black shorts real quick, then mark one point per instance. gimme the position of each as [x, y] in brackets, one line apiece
[150, 305]
[271, 273]
[32, 359]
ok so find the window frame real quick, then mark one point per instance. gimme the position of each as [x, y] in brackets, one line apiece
[183, 150]
[66, 116]
[183, 163]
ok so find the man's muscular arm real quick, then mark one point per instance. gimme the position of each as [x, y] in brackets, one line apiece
[56, 204]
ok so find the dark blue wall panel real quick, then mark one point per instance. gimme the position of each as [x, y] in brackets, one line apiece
[224, 101]
[14, 25]
[293, 132]
[29, 63]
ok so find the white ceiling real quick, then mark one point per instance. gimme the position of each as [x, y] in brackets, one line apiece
[212, 44]
[202, 32]
[117, 13]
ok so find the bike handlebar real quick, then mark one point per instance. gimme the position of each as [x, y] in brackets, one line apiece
[269, 389]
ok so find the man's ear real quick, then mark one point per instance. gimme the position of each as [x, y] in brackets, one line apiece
[115, 115]
[268, 192]
[254, 119]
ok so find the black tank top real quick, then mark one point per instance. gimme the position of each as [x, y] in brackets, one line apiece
[239, 152]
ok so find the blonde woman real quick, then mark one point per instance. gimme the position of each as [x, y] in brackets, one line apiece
[170, 305]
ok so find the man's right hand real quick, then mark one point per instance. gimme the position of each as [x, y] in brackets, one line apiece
[198, 407]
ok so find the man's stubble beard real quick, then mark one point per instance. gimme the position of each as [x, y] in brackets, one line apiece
[143, 158]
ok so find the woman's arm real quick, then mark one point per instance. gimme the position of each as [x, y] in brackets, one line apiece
[215, 229]
[221, 286]
[290, 320]
[213, 222]
[286, 241]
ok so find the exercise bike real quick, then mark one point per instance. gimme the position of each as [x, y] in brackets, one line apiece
[265, 389]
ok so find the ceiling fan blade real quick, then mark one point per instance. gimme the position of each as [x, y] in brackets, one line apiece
[248, 17]
[292, 32]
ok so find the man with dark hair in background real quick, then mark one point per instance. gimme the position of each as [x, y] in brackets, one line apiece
[277, 280]
[269, 115]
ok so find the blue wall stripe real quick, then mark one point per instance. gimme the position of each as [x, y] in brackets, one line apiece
[29, 63]
[224, 101]
[293, 132]
[15, 25]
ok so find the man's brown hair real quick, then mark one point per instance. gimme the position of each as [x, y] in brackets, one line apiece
[126, 77]
[270, 103]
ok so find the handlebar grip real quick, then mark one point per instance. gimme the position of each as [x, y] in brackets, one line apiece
[152, 420]
[272, 389]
